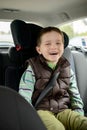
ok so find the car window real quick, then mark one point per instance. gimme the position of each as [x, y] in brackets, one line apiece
[6, 40]
[77, 32]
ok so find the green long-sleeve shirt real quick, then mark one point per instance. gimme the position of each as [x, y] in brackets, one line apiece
[26, 88]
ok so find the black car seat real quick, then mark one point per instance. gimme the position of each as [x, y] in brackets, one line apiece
[24, 37]
[16, 113]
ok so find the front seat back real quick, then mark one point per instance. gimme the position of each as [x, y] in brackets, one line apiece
[16, 113]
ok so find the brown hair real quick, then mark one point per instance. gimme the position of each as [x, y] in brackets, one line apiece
[46, 30]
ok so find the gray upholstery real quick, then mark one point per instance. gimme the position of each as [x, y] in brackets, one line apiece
[68, 55]
[80, 61]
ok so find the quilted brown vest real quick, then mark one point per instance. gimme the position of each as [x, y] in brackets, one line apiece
[58, 98]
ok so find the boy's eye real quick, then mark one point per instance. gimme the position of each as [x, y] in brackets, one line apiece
[48, 44]
[58, 43]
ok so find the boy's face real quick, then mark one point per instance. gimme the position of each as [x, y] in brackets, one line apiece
[51, 46]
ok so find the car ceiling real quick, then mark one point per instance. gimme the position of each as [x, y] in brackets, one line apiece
[44, 12]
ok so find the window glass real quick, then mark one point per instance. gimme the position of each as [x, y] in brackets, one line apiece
[77, 32]
[5, 35]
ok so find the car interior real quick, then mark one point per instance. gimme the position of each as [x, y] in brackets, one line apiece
[27, 19]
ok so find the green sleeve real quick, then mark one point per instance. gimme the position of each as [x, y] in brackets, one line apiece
[27, 82]
[76, 101]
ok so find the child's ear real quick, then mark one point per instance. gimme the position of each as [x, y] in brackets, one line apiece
[38, 49]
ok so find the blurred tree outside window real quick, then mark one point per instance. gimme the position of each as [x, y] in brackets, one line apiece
[75, 28]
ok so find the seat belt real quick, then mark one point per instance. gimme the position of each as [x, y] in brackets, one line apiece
[49, 86]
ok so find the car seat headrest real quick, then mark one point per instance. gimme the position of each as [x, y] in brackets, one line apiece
[24, 34]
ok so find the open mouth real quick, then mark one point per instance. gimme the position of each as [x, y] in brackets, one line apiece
[54, 53]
